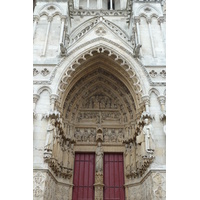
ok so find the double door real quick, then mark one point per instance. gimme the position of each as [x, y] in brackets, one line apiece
[84, 176]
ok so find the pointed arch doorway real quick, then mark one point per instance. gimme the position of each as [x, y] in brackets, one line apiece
[99, 97]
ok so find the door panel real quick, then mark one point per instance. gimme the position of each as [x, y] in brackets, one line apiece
[114, 176]
[83, 188]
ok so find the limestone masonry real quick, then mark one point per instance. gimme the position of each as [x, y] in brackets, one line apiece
[99, 91]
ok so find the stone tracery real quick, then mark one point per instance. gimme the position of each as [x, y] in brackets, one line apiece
[97, 87]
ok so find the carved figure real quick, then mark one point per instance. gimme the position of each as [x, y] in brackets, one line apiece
[78, 134]
[132, 158]
[62, 48]
[65, 156]
[120, 136]
[51, 132]
[127, 160]
[70, 157]
[92, 135]
[99, 158]
[106, 136]
[146, 138]
[137, 50]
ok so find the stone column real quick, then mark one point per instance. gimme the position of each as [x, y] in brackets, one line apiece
[53, 98]
[99, 4]
[146, 100]
[162, 99]
[36, 19]
[137, 22]
[47, 35]
[76, 4]
[88, 4]
[99, 169]
[111, 4]
[61, 32]
[160, 22]
[98, 186]
[151, 37]
[35, 99]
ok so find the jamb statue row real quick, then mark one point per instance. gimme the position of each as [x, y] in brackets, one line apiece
[58, 149]
[139, 154]
[59, 153]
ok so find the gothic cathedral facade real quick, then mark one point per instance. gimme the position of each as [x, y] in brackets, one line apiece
[99, 100]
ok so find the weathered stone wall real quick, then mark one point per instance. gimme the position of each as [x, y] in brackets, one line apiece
[99, 47]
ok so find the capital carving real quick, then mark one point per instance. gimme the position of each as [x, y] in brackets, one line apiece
[45, 72]
[35, 98]
[36, 18]
[52, 114]
[35, 72]
[148, 20]
[146, 100]
[62, 18]
[161, 99]
[161, 20]
[137, 20]
[50, 18]
[53, 97]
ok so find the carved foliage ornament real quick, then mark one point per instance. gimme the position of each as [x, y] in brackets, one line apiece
[37, 192]
[45, 72]
[154, 74]
[163, 73]
[35, 72]
[38, 180]
[100, 31]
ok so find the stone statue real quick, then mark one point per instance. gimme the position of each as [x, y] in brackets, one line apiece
[65, 155]
[70, 157]
[137, 50]
[148, 143]
[51, 132]
[99, 158]
[132, 158]
[127, 159]
[62, 48]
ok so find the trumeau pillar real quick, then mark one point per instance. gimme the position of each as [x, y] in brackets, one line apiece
[99, 167]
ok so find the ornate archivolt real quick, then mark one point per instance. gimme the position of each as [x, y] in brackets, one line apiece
[117, 60]
[98, 90]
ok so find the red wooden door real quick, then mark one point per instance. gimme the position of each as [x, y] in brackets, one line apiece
[84, 171]
[114, 176]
